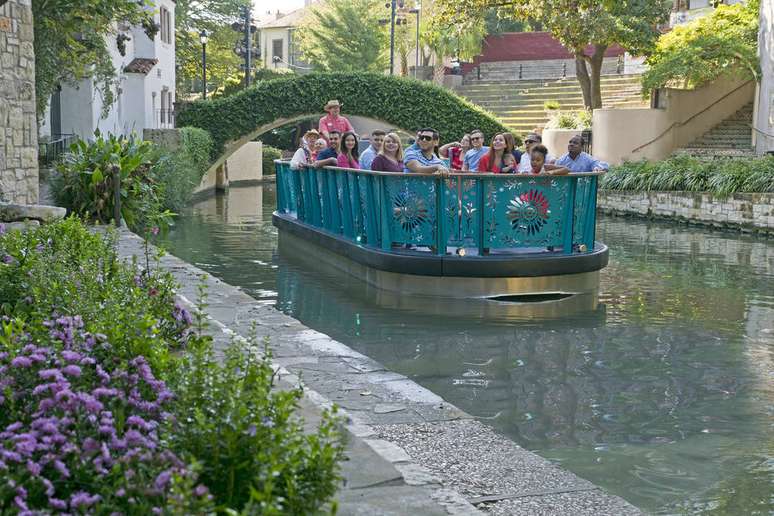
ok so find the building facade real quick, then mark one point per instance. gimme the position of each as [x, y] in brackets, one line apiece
[279, 48]
[764, 108]
[144, 91]
[18, 124]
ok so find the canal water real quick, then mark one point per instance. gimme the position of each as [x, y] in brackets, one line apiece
[663, 395]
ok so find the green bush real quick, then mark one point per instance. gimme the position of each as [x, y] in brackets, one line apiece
[252, 449]
[551, 105]
[269, 155]
[84, 183]
[400, 102]
[569, 120]
[699, 52]
[683, 173]
[207, 434]
[179, 171]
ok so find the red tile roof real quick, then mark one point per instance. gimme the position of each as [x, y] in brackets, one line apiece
[141, 65]
[528, 46]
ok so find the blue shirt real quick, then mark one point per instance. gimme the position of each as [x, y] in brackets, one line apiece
[584, 162]
[329, 152]
[473, 156]
[413, 154]
[367, 157]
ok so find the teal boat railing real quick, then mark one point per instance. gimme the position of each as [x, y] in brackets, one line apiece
[443, 213]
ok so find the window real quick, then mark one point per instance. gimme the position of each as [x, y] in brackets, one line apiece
[165, 22]
[276, 49]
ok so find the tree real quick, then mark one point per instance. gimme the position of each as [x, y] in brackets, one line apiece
[461, 39]
[578, 24]
[216, 17]
[71, 42]
[345, 36]
[699, 52]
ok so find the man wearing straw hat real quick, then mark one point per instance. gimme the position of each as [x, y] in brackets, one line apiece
[333, 121]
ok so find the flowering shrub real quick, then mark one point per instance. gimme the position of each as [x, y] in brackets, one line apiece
[78, 432]
[102, 412]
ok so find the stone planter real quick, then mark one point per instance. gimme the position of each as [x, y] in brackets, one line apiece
[556, 140]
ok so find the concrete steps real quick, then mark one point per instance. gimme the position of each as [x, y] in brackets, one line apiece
[520, 104]
[730, 138]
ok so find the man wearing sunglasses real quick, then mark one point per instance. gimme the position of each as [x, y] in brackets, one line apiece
[422, 158]
[530, 141]
[476, 152]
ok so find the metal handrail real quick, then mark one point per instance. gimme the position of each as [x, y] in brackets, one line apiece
[436, 212]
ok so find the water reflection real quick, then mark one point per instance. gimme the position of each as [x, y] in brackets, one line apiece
[655, 394]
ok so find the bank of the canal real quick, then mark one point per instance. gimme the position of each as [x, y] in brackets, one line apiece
[664, 395]
[408, 450]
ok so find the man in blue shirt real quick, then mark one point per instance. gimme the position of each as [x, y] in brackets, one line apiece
[368, 155]
[329, 157]
[477, 151]
[578, 161]
[422, 160]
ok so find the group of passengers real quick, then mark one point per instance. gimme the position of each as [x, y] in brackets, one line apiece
[335, 143]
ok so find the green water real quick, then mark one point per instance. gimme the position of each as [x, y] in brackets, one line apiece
[664, 395]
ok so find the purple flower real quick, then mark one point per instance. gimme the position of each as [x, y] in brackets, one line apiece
[162, 480]
[2, 228]
[56, 503]
[154, 230]
[34, 468]
[7, 259]
[71, 356]
[200, 490]
[72, 370]
[21, 362]
[83, 499]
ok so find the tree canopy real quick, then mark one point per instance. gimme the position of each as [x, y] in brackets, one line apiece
[345, 36]
[214, 16]
[700, 51]
[580, 23]
[72, 38]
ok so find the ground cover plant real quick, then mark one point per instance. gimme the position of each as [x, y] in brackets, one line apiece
[723, 176]
[111, 400]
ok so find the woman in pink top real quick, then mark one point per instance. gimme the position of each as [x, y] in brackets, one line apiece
[348, 156]
[333, 121]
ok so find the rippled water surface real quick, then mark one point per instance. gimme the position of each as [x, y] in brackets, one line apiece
[664, 395]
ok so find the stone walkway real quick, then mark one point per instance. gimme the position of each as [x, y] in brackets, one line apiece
[408, 450]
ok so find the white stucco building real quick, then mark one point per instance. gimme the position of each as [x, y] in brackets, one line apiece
[279, 49]
[144, 90]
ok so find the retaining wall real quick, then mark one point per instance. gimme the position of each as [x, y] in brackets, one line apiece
[753, 212]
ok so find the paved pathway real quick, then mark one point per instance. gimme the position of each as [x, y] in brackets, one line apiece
[408, 450]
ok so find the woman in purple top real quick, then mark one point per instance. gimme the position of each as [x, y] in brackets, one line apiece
[390, 159]
[348, 156]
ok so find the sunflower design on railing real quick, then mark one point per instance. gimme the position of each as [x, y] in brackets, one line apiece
[529, 212]
[409, 211]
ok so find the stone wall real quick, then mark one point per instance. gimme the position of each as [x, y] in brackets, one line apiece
[536, 69]
[18, 124]
[744, 211]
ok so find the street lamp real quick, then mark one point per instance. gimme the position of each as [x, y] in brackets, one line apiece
[203, 38]
[416, 60]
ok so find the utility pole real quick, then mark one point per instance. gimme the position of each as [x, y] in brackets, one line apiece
[416, 59]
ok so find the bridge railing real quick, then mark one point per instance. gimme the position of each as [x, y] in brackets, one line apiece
[471, 211]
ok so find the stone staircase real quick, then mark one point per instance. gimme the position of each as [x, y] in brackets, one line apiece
[519, 103]
[730, 138]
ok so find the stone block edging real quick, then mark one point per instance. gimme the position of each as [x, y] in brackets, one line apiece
[747, 212]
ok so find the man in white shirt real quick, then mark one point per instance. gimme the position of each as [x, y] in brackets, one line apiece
[525, 165]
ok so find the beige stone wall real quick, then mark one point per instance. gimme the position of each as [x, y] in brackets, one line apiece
[764, 107]
[653, 134]
[18, 124]
[751, 212]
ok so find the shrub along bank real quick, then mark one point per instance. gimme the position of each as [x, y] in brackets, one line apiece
[111, 399]
[721, 177]
[154, 180]
[401, 102]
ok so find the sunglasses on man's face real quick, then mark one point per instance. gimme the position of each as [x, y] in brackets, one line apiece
[425, 137]
[530, 141]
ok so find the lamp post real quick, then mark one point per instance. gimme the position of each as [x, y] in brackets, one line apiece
[392, 36]
[416, 60]
[203, 39]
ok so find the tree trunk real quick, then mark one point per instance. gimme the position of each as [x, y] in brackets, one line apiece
[583, 78]
[596, 61]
